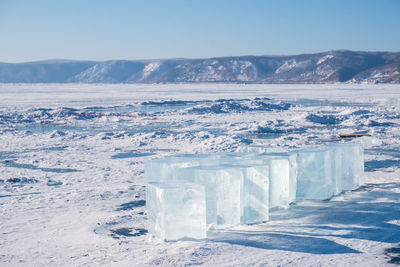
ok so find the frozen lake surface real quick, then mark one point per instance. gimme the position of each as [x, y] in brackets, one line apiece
[72, 184]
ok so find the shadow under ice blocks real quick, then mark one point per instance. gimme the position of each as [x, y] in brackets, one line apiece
[187, 194]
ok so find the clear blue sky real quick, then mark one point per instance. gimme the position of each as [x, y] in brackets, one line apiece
[148, 29]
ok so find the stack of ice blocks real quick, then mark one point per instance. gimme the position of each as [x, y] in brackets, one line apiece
[229, 189]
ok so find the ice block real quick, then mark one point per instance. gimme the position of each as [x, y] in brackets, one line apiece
[314, 180]
[176, 210]
[254, 199]
[283, 175]
[222, 186]
[347, 165]
[282, 168]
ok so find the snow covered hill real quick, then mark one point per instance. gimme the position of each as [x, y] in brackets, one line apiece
[326, 67]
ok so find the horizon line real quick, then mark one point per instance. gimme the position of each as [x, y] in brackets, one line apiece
[57, 60]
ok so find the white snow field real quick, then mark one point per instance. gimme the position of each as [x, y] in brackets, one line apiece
[72, 172]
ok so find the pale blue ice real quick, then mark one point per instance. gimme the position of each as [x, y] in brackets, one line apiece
[235, 194]
[163, 170]
[222, 187]
[282, 172]
[176, 211]
[283, 178]
[347, 165]
[314, 179]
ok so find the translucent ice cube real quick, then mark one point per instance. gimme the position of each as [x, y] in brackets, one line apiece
[348, 165]
[282, 173]
[255, 194]
[314, 180]
[222, 187]
[176, 210]
[284, 176]
[279, 182]
[358, 164]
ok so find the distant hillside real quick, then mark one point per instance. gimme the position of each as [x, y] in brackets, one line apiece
[327, 67]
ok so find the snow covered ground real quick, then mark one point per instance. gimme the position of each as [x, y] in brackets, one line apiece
[72, 182]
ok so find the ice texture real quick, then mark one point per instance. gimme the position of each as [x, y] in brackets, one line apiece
[282, 173]
[162, 170]
[359, 164]
[314, 180]
[254, 148]
[241, 187]
[255, 195]
[282, 176]
[176, 210]
[279, 182]
[222, 186]
[292, 176]
[347, 165]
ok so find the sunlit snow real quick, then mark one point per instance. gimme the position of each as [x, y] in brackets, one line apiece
[72, 187]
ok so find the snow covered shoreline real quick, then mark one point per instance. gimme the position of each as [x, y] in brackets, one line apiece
[72, 185]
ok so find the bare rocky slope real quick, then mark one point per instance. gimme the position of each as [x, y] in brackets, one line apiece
[326, 67]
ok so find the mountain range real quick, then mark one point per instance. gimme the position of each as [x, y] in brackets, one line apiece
[326, 67]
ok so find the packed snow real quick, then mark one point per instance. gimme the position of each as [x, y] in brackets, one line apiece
[72, 186]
